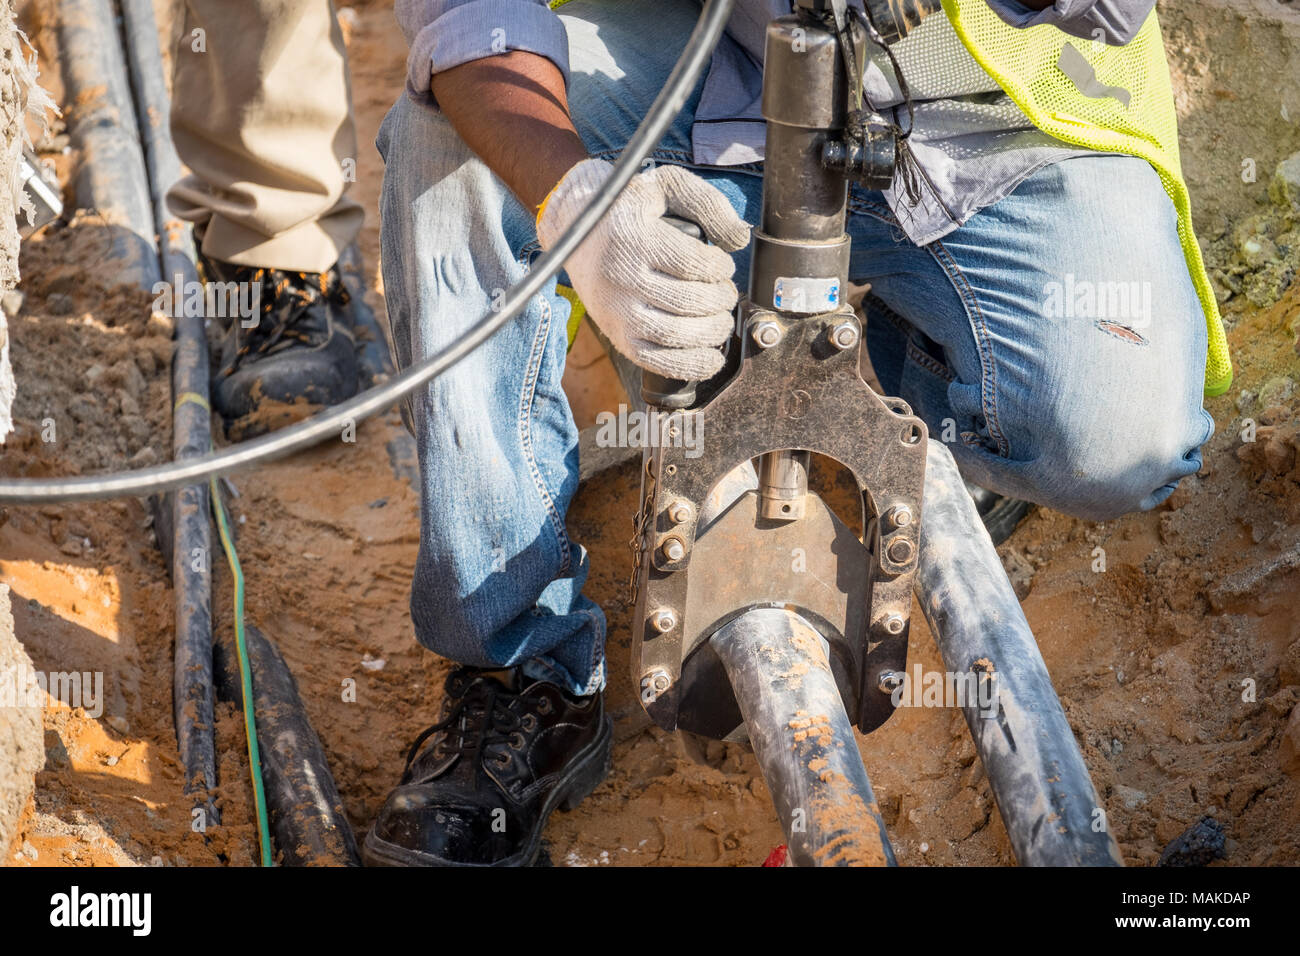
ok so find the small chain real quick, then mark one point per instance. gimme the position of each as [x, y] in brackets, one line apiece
[640, 528]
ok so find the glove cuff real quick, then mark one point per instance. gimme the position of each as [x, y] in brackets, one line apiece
[569, 197]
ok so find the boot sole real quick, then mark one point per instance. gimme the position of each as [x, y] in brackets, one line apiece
[587, 772]
[1004, 517]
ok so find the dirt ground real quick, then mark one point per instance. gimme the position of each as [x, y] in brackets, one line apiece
[1155, 658]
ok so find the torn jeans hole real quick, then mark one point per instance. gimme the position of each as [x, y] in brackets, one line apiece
[1122, 332]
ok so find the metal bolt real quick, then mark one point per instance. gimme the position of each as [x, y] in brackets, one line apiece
[900, 551]
[673, 548]
[845, 335]
[679, 511]
[653, 683]
[663, 620]
[895, 622]
[889, 681]
[766, 334]
[900, 516]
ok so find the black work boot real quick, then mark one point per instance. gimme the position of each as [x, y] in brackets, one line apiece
[296, 353]
[480, 784]
[1000, 514]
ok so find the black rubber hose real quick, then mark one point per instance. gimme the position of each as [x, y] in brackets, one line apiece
[190, 549]
[803, 740]
[111, 178]
[307, 818]
[1036, 772]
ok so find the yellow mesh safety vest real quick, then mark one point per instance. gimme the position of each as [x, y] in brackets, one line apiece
[1110, 98]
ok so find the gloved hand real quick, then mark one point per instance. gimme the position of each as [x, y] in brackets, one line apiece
[663, 298]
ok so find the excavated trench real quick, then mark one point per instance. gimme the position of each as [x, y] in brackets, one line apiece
[1178, 665]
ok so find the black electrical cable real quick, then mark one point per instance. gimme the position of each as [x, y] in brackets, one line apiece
[181, 519]
[332, 423]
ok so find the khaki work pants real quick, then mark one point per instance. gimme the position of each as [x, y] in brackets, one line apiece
[262, 116]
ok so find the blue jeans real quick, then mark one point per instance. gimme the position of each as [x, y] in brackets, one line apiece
[1054, 342]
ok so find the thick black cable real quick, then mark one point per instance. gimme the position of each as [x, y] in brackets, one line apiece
[334, 422]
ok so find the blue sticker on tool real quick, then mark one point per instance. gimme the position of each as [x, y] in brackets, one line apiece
[806, 295]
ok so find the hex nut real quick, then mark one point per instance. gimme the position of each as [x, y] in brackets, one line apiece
[900, 551]
[900, 516]
[654, 682]
[844, 335]
[663, 620]
[673, 548]
[889, 681]
[766, 334]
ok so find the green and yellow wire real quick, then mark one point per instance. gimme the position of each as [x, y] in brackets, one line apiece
[245, 676]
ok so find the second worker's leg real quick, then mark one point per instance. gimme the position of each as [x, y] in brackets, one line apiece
[269, 158]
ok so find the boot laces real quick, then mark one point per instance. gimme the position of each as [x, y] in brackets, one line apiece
[286, 299]
[479, 719]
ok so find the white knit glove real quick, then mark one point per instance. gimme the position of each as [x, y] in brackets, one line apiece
[663, 299]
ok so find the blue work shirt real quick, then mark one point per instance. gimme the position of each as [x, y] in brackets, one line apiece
[971, 142]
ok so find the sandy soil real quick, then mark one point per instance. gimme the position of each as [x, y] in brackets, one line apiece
[1149, 656]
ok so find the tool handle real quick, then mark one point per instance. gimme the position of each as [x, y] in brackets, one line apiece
[659, 390]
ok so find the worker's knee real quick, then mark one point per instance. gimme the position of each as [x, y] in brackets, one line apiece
[419, 137]
[1104, 462]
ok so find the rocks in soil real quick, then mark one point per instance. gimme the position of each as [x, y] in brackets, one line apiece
[145, 457]
[1131, 797]
[12, 303]
[1289, 751]
[1020, 571]
[118, 723]
[126, 374]
[967, 812]
[1276, 391]
[1288, 672]
[1274, 449]
[56, 754]
[59, 303]
[1274, 415]
[1260, 258]
[84, 408]
[1284, 189]
[1199, 845]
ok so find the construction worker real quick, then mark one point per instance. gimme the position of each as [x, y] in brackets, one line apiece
[270, 157]
[512, 116]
